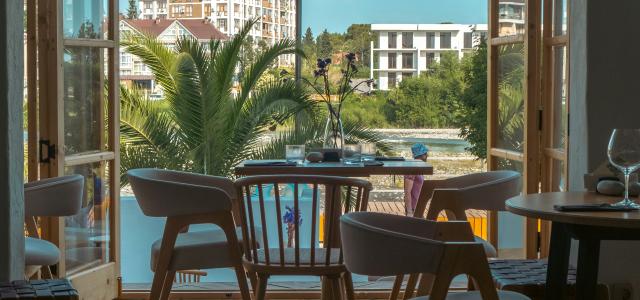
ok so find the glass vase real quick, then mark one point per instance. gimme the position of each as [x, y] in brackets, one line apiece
[333, 131]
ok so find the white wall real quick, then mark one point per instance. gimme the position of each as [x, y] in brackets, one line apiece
[605, 94]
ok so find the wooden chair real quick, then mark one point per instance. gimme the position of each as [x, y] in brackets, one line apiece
[264, 203]
[378, 244]
[185, 199]
[189, 276]
[52, 197]
[482, 191]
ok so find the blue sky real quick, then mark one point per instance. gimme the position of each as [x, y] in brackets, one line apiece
[337, 15]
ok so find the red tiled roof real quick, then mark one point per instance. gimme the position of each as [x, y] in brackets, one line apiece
[201, 29]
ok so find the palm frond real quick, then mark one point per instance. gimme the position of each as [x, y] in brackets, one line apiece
[263, 62]
[155, 55]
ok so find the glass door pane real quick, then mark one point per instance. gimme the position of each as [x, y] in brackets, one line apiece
[87, 238]
[511, 80]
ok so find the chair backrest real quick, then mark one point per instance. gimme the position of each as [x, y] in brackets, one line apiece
[378, 244]
[166, 193]
[54, 197]
[286, 210]
[482, 191]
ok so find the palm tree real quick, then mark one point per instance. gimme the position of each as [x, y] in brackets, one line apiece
[202, 125]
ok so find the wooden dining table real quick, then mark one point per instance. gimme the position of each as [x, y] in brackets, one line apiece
[406, 167]
[589, 228]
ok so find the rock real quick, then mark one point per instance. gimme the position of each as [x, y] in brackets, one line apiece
[610, 187]
[616, 188]
[314, 157]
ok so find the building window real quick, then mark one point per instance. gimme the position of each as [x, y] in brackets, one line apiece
[392, 61]
[431, 40]
[392, 80]
[431, 57]
[393, 40]
[407, 40]
[468, 40]
[406, 75]
[407, 60]
[148, 5]
[445, 40]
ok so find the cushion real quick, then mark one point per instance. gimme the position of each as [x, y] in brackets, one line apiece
[39, 252]
[199, 250]
[489, 250]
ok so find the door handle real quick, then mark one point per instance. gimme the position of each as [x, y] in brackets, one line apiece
[47, 154]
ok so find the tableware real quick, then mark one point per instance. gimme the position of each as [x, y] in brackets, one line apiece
[295, 153]
[624, 154]
[352, 154]
[368, 151]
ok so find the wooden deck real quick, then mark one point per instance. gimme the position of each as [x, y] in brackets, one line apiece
[477, 218]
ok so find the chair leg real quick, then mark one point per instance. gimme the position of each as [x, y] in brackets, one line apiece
[348, 285]
[335, 288]
[253, 278]
[261, 290]
[167, 285]
[169, 237]
[46, 272]
[424, 285]
[411, 285]
[242, 283]
[235, 252]
[397, 285]
[325, 291]
[156, 285]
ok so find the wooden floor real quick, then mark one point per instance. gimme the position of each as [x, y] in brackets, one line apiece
[477, 218]
[378, 288]
[375, 288]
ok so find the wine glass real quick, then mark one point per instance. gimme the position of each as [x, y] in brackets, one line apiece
[624, 154]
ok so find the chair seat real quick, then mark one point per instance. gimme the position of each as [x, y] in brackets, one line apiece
[199, 250]
[475, 295]
[489, 249]
[305, 256]
[39, 252]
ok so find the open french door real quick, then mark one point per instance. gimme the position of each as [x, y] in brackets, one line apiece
[528, 102]
[73, 107]
[514, 109]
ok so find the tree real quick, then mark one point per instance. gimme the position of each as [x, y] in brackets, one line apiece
[201, 125]
[473, 117]
[324, 47]
[307, 40]
[132, 11]
[358, 39]
[473, 102]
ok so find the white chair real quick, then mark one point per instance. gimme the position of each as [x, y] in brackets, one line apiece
[378, 244]
[52, 197]
[185, 199]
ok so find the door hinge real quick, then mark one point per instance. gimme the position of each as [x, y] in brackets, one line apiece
[47, 151]
[539, 119]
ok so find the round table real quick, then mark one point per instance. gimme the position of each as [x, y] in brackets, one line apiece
[589, 228]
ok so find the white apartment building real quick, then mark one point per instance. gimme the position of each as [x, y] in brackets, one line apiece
[277, 18]
[152, 9]
[405, 50]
